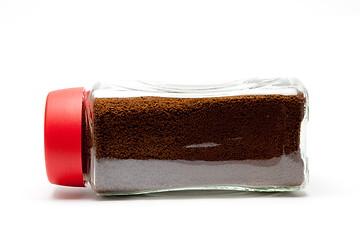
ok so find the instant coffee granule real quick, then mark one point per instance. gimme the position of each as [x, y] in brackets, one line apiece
[151, 143]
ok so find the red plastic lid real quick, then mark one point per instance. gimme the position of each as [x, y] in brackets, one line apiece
[63, 116]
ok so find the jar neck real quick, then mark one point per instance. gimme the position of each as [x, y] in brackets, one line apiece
[86, 140]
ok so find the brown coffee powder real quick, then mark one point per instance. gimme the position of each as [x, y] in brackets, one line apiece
[152, 143]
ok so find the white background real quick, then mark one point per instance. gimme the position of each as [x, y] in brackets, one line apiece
[48, 45]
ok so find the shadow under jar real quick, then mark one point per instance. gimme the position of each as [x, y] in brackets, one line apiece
[137, 137]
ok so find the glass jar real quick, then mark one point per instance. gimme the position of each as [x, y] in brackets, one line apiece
[138, 137]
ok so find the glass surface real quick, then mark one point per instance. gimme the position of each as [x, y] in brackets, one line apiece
[242, 135]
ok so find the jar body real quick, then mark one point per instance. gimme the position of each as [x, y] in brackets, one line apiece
[245, 135]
